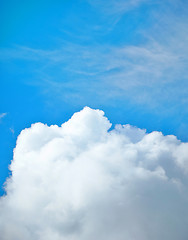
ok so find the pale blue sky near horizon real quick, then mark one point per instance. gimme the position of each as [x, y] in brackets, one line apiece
[127, 58]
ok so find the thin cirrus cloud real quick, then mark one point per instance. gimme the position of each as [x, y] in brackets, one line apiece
[152, 72]
[2, 115]
[84, 181]
[116, 7]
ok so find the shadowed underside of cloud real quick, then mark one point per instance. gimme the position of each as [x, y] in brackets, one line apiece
[84, 181]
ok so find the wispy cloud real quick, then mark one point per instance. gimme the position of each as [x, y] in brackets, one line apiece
[12, 130]
[151, 73]
[2, 115]
[116, 7]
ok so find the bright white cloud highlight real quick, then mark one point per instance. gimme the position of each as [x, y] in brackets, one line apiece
[84, 181]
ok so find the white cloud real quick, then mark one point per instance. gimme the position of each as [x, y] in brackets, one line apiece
[2, 115]
[84, 181]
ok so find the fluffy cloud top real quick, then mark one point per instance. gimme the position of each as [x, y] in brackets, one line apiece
[82, 181]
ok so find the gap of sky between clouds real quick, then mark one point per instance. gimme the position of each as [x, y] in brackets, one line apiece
[128, 58]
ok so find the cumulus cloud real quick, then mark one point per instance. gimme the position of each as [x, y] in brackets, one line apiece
[84, 180]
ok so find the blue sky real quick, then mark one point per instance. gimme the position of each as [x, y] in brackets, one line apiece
[128, 58]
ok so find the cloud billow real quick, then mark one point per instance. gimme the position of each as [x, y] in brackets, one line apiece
[84, 181]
